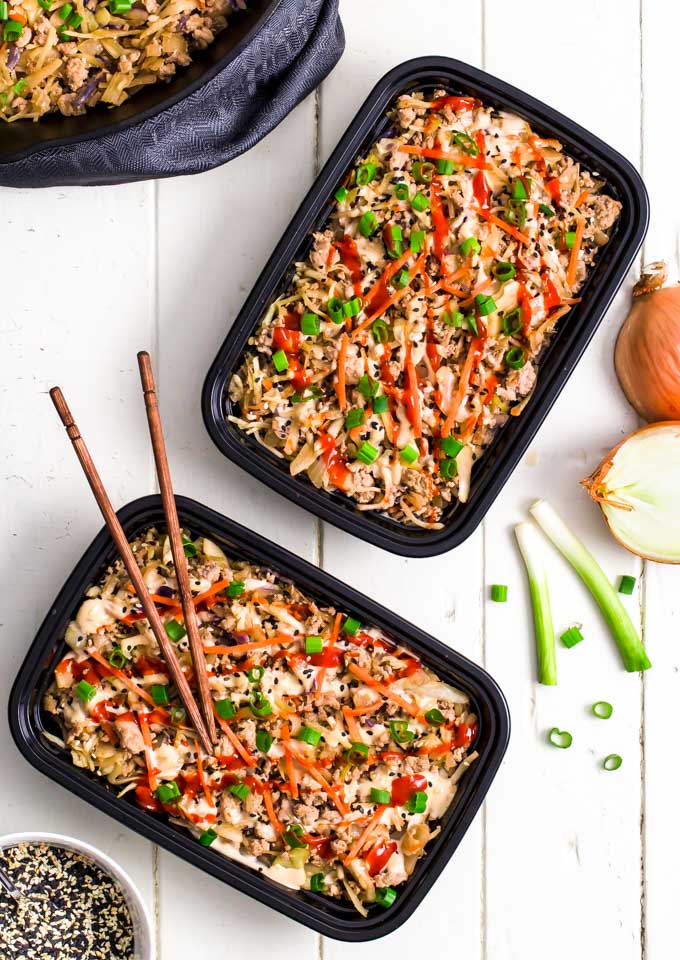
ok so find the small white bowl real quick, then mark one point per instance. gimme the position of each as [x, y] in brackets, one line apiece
[141, 921]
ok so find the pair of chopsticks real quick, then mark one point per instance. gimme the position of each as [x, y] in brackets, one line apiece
[203, 724]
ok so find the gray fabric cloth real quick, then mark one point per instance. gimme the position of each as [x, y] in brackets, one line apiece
[292, 53]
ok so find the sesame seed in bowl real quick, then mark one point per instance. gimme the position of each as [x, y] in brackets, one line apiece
[75, 902]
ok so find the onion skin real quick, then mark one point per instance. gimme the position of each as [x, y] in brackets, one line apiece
[595, 484]
[647, 355]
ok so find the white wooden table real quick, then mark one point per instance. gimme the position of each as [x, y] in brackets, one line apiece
[565, 861]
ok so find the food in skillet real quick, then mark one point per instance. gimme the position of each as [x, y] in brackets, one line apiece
[68, 55]
[411, 331]
[338, 749]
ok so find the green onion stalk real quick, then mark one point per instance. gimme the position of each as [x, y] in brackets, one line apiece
[594, 577]
[531, 549]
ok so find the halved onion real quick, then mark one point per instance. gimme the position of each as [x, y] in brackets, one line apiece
[636, 487]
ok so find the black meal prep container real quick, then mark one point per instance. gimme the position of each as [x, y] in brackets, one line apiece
[18, 140]
[330, 917]
[555, 367]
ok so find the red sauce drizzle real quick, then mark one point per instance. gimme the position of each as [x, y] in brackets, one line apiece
[456, 103]
[351, 258]
[334, 461]
[403, 788]
[551, 297]
[378, 856]
[553, 188]
[440, 221]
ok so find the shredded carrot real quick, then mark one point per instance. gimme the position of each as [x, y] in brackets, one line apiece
[202, 777]
[352, 726]
[370, 826]
[340, 385]
[463, 383]
[19, 16]
[235, 742]
[367, 708]
[148, 750]
[335, 633]
[385, 276]
[414, 392]
[128, 681]
[271, 813]
[280, 640]
[290, 765]
[492, 218]
[436, 154]
[156, 597]
[573, 260]
[216, 588]
[396, 296]
[582, 197]
[370, 681]
[314, 771]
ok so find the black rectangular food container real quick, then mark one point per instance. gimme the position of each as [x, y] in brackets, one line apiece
[555, 366]
[20, 140]
[330, 917]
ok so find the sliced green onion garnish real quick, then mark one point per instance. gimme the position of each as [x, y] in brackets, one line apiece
[485, 305]
[400, 732]
[472, 323]
[74, 21]
[548, 211]
[189, 547]
[499, 592]
[120, 6]
[385, 896]
[571, 637]
[503, 271]
[417, 242]
[470, 245]
[531, 548]
[341, 194]
[422, 171]
[259, 704]
[263, 740]
[159, 694]
[367, 388]
[380, 331]
[19, 86]
[401, 279]
[11, 31]
[448, 469]
[521, 188]
[313, 645]
[240, 790]
[167, 792]
[309, 393]
[625, 634]
[381, 404]
[380, 796]
[570, 239]
[560, 738]
[236, 588]
[450, 446]
[309, 735]
[357, 753]
[365, 174]
[626, 584]
[175, 630]
[280, 361]
[409, 454]
[417, 803]
[435, 717]
[512, 322]
[255, 673]
[453, 318]
[317, 883]
[335, 309]
[367, 453]
[420, 202]
[4, 9]
[351, 626]
[368, 223]
[310, 324]
[612, 762]
[516, 213]
[354, 418]
[66, 11]
[466, 144]
[602, 710]
[445, 167]
[117, 658]
[516, 358]
[226, 708]
[401, 191]
[352, 307]
[293, 837]
[394, 244]
[85, 691]
[207, 837]
[178, 714]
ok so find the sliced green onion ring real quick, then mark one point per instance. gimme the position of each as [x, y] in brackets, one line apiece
[560, 738]
[602, 710]
[612, 762]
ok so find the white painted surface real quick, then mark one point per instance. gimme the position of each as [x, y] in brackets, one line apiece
[566, 861]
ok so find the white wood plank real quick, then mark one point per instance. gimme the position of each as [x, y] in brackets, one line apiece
[215, 233]
[440, 595]
[661, 140]
[563, 842]
[66, 320]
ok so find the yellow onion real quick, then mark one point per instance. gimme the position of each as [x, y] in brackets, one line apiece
[647, 354]
[636, 486]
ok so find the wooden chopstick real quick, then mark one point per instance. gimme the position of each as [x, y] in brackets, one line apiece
[175, 535]
[135, 574]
